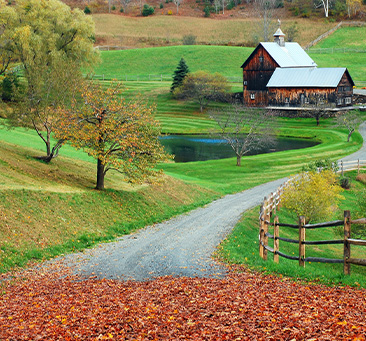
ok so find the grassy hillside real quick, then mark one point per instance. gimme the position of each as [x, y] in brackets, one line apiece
[50, 209]
[226, 60]
[163, 30]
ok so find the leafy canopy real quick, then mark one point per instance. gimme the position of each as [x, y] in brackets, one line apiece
[312, 194]
[121, 135]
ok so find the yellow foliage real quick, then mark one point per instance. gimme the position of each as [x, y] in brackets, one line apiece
[312, 194]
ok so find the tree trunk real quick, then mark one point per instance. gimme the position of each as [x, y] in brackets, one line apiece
[349, 134]
[100, 175]
[238, 160]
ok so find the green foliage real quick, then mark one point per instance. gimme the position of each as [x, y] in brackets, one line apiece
[345, 182]
[203, 87]
[10, 87]
[52, 42]
[121, 10]
[189, 39]
[113, 8]
[87, 10]
[321, 164]
[147, 10]
[207, 12]
[120, 135]
[312, 195]
[161, 5]
[179, 74]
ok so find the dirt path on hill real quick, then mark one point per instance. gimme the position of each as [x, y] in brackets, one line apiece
[182, 246]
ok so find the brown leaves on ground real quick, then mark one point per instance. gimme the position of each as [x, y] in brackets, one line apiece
[247, 306]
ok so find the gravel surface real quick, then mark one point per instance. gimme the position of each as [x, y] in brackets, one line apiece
[182, 246]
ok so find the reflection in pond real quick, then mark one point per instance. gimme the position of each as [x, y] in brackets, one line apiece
[201, 147]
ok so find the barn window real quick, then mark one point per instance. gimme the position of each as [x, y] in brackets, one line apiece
[339, 101]
[252, 96]
[287, 100]
[340, 89]
[348, 100]
[346, 88]
[261, 59]
[307, 100]
[245, 83]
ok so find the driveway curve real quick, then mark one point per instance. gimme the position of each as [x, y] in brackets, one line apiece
[181, 246]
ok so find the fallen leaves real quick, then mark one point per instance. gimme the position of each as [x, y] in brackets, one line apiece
[246, 306]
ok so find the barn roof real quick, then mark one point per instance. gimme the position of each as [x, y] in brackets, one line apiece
[307, 77]
[290, 55]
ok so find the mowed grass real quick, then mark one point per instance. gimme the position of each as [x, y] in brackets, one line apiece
[226, 60]
[51, 209]
[241, 247]
[345, 37]
[161, 30]
[348, 38]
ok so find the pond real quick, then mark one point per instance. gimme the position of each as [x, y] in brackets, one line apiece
[188, 148]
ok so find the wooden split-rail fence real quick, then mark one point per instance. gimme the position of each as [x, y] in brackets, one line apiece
[269, 209]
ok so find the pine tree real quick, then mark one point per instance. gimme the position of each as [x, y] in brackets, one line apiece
[179, 74]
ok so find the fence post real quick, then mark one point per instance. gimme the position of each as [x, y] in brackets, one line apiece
[261, 228]
[342, 166]
[267, 217]
[347, 245]
[358, 166]
[276, 241]
[301, 240]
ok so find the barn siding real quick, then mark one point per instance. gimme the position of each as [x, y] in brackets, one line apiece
[300, 97]
[345, 91]
[256, 73]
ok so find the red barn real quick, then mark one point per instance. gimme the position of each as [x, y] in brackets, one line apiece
[280, 74]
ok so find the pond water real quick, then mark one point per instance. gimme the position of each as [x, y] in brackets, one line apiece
[188, 148]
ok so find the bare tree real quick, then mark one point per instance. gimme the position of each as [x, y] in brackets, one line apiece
[244, 129]
[124, 4]
[177, 3]
[325, 5]
[264, 10]
[349, 120]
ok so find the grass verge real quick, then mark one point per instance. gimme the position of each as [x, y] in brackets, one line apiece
[241, 247]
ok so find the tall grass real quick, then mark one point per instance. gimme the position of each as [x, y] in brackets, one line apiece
[169, 30]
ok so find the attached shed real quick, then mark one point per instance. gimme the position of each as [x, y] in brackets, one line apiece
[310, 87]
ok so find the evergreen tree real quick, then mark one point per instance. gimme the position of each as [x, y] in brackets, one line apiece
[179, 74]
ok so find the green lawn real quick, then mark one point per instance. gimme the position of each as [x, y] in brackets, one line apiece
[241, 247]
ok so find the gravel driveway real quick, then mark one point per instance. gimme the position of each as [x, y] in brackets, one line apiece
[181, 246]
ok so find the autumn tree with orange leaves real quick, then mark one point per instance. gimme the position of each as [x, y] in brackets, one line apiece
[122, 135]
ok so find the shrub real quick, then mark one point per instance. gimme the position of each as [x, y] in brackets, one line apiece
[147, 10]
[113, 8]
[161, 5]
[170, 12]
[345, 182]
[322, 164]
[231, 5]
[9, 86]
[279, 4]
[121, 10]
[189, 39]
[87, 10]
[207, 12]
[313, 195]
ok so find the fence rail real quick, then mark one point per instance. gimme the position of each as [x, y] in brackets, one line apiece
[331, 50]
[272, 204]
[150, 78]
[347, 241]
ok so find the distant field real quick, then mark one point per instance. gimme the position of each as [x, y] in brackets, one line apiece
[164, 60]
[169, 30]
[223, 59]
[347, 37]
